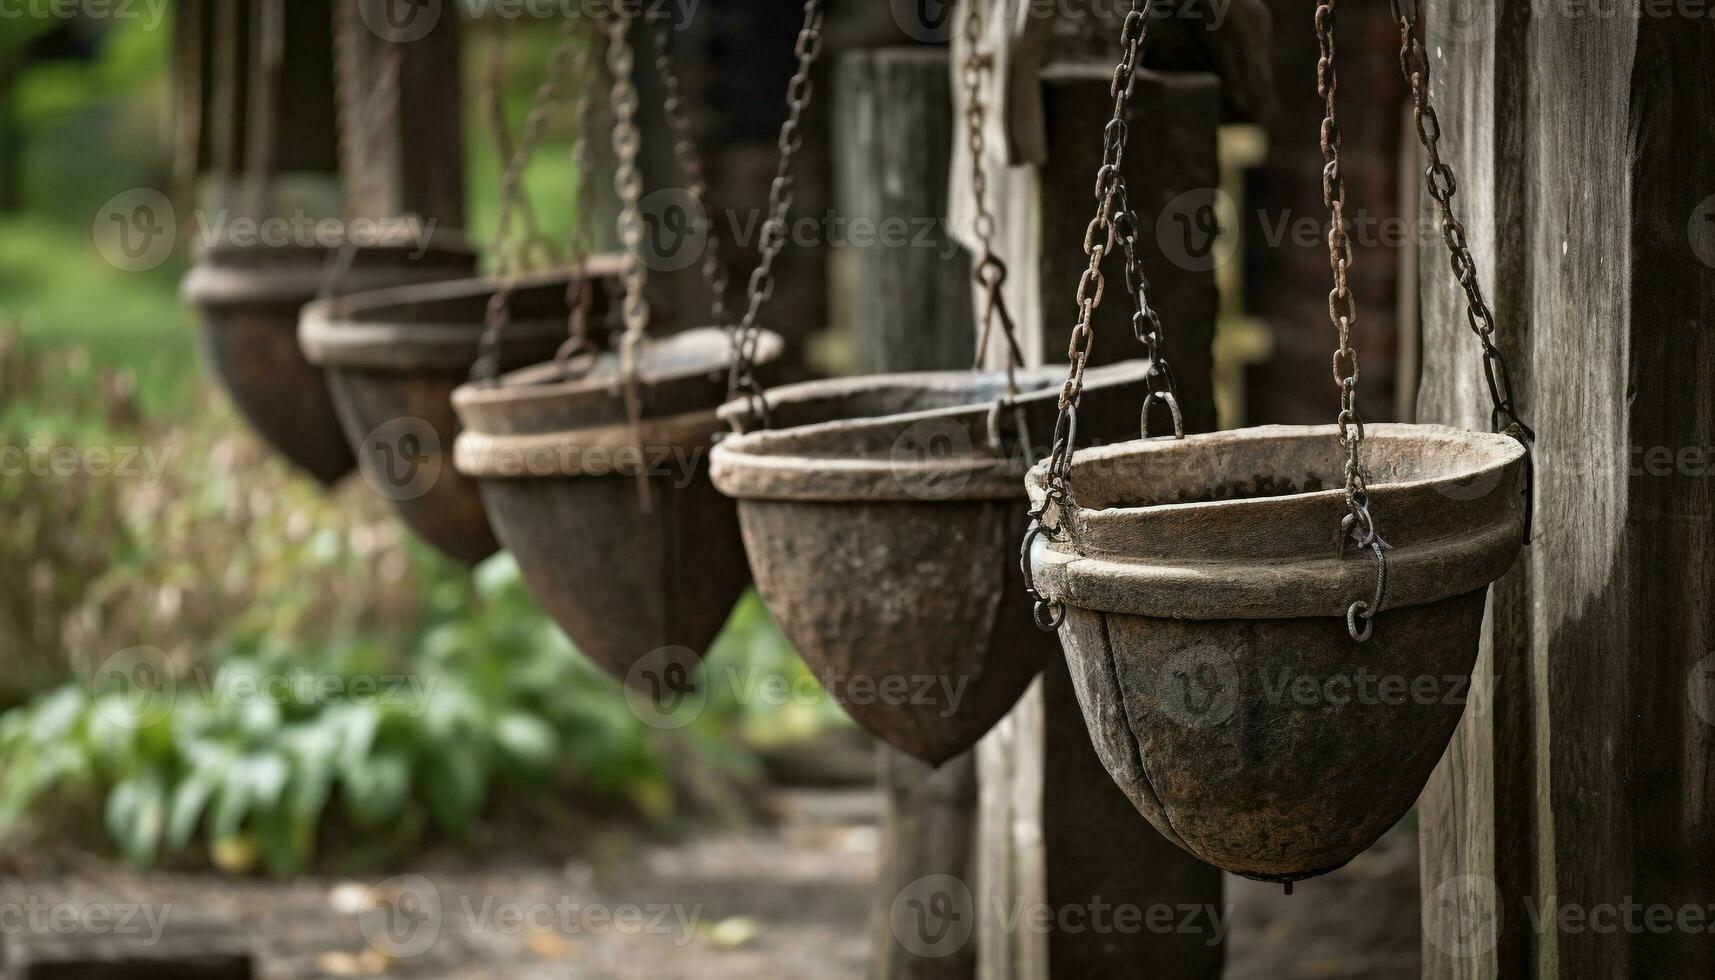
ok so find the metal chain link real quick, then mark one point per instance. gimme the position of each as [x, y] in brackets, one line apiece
[1504, 416]
[628, 182]
[742, 381]
[991, 271]
[1359, 524]
[690, 157]
[580, 288]
[513, 200]
[1113, 225]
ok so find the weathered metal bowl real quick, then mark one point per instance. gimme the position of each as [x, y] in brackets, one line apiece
[882, 527]
[393, 359]
[557, 464]
[1206, 629]
[249, 298]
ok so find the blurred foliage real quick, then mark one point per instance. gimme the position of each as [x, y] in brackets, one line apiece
[235, 568]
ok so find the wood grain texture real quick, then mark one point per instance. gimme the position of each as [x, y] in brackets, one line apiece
[909, 309]
[1054, 830]
[1583, 163]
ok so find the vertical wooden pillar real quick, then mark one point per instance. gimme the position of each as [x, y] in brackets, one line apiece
[417, 163]
[1055, 833]
[415, 167]
[908, 307]
[1570, 830]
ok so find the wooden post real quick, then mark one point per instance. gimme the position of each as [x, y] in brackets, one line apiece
[1571, 828]
[908, 307]
[1055, 834]
[417, 163]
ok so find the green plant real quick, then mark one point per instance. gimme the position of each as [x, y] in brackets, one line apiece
[243, 576]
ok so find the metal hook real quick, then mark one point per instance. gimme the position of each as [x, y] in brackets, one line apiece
[1049, 614]
[1172, 405]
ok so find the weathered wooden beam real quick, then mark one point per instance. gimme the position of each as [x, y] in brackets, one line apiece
[1570, 828]
[405, 157]
[1055, 834]
[906, 302]
[202, 950]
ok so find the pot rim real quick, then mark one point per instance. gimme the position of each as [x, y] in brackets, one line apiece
[336, 334]
[767, 464]
[1280, 556]
[523, 387]
[296, 272]
[547, 447]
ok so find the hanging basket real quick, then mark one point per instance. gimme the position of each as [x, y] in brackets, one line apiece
[882, 529]
[1206, 629]
[249, 298]
[557, 462]
[393, 358]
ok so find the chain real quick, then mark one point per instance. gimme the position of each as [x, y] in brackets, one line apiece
[1113, 225]
[742, 382]
[1359, 524]
[1100, 239]
[1504, 416]
[580, 289]
[378, 117]
[690, 159]
[512, 196]
[1414, 63]
[628, 182]
[991, 271]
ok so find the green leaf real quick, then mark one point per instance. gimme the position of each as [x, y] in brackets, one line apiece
[375, 788]
[456, 785]
[136, 817]
[528, 742]
[190, 798]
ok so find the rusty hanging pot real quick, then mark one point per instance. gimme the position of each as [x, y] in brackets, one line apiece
[557, 460]
[393, 359]
[882, 528]
[1206, 629]
[249, 297]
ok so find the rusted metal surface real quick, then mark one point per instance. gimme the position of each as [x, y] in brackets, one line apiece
[557, 463]
[882, 528]
[1206, 631]
[393, 359]
[249, 299]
